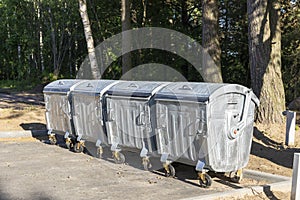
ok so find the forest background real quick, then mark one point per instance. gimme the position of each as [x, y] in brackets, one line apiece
[45, 40]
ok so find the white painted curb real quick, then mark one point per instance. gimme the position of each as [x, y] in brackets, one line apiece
[280, 183]
[22, 134]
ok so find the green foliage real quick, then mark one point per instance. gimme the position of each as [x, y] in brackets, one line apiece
[44, 40]
[234, 42]
[291, 49]
[15, 85]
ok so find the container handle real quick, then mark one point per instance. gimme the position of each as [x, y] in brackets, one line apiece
[75, 111]
[110, 115]
[89, 85]
[98, 113]
[186, 87]
[234, 131]
[47, 103]
[132, 85]
[140, 120]
[200, 130]
[66, 109]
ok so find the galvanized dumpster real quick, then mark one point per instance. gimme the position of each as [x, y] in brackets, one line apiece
[205, 124]
[58, 109]
[87, 106]
[128, 118]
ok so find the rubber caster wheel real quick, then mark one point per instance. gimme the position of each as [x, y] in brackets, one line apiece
[99, 152]
[52, 140]
[237, 176]
[119, 158]
[146, 164]
[205, 180]
[170, 172]
[236, 179]
[69, 143]
[78, 148]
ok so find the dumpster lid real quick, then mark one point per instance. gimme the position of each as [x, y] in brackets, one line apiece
[188, 91]
[93, 86]
[60, 86]
[134, 88]
[200, 91]
[235, 88]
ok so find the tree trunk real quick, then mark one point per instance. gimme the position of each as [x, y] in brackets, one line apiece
[53, 43]
[126, 38]
[96, 74]
[265, 59]
[39, 30]
[210, 40]
[144, 13]
[185, 24]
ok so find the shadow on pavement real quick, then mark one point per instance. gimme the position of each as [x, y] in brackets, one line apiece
[21, 99]
[33, 126]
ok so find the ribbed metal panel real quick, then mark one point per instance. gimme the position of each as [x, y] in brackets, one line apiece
[124, 127]
[128, 115]
[87, 118]
[57, 112]
[58, 106]
[87, 105]
[179, 125]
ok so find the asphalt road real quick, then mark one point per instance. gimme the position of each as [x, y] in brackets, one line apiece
[32, 169]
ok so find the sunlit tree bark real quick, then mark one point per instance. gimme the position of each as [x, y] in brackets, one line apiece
[265, 59]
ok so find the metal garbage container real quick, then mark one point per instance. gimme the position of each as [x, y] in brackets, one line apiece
[58, 109]
[128, 121]
[207, 125]
[87, 106]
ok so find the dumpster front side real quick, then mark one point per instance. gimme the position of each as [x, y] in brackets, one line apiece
[87, 105]
[58, 106]
[181, 123]
[230, 128]
[194, 122]
[128, 116]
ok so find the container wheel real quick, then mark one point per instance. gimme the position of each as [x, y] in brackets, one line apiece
[52, 139]
[78, 147]
[170, 171]
[236, 179]
[237, 176]
[146, 164]
[118, 157]
[69, 143]
[205, 180]
[99, 152]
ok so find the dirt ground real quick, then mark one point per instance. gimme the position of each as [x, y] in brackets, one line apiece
[22, 111]
[25, 111]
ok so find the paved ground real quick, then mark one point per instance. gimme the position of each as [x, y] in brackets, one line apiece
[32, 169]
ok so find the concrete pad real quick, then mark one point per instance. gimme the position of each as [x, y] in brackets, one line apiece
[23, 134]
[277, 183]
[32, 169]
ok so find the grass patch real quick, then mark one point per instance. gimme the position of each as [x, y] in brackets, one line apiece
[17, 86]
